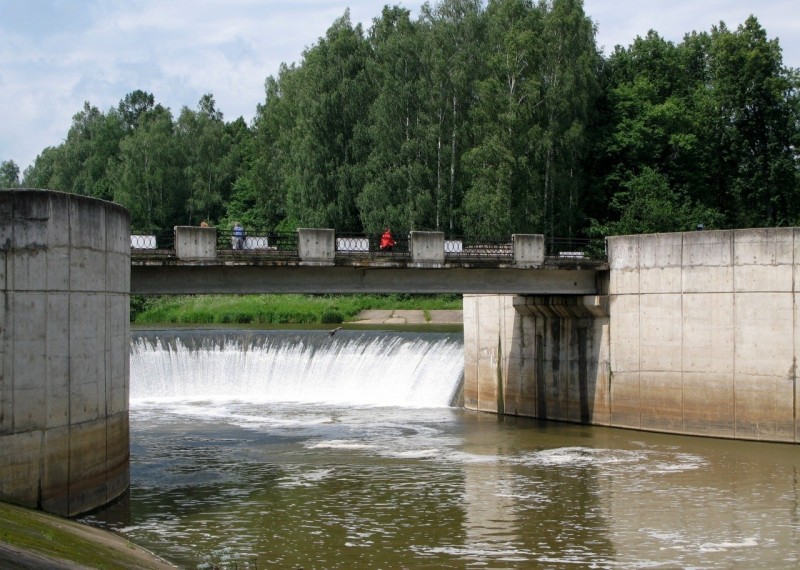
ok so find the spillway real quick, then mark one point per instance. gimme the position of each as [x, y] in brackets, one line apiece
[349, 367]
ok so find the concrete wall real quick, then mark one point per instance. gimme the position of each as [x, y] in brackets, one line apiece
[64, 350]
[699, 335]
[528, 249]
[427, 247]
[544, 357]
[704, 333]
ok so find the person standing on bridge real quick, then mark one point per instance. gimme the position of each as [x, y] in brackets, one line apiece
[239, 236]
[387, 241]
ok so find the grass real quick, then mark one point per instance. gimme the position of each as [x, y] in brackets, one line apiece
[63, 539]
[277, 309]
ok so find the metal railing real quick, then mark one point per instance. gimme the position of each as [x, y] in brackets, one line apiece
[363, 245]
[152, 240]
[575, 248]
[464, 247]
[258, 242]
[285, 245]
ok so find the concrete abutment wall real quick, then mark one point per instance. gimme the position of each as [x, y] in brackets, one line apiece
[699, 334]
[64, 350]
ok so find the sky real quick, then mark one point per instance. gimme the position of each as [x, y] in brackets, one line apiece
[57, 54]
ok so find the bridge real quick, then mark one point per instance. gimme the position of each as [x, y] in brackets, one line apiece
[693, 333]
[197, 260]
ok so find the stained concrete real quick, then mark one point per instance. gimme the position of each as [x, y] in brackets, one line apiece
[699, 335]
[64, 345]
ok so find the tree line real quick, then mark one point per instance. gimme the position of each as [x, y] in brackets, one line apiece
[470, 119]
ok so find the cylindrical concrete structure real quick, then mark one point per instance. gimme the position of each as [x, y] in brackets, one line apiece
[64, 350]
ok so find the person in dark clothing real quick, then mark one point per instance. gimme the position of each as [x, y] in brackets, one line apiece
[238, 236]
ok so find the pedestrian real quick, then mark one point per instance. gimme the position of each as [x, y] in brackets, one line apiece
[239, 236]
[387, 241]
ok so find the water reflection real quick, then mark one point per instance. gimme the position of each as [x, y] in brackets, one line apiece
[330, 487]
[222, 475]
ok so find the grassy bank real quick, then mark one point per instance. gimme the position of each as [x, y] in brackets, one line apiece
[25, 535]
[276, 309]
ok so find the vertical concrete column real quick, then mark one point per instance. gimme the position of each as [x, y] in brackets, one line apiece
[528, 249]
[195, 243]
[64, 345]
[316, 246]
[427, 247]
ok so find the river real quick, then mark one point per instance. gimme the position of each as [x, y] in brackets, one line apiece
[311, 450]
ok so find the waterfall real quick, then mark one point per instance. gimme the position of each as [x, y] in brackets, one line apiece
[350, 367]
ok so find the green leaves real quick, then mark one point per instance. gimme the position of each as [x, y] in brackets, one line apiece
[470, 120]
[9, 174]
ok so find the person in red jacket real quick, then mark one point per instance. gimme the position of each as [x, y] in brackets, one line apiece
[387, 241]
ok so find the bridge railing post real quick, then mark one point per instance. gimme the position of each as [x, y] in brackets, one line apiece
[316, 246]
[528, 249]
[192, 242]
[427, 247]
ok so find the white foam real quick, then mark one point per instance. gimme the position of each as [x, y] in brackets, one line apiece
[355, 369]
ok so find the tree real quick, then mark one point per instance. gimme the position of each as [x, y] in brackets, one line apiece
[501, 167]
[9, 174]
[133, 106]
[211, 163]
[327, 142]
[715, 117]
[454, 32]
[648, 205]
[398, 183]
[755, 127]
[148, 178]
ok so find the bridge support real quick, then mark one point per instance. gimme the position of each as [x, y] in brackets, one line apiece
[537, 356]
[699, 334]
[64, 350]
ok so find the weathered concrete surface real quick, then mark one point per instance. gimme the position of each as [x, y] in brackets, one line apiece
[543, 357]
[64, 350]
[34, 540]
[316, 246]
[703, 333]
[427, 247]
[528, 249]
[701, 338]
[195, 243]
[310, 277]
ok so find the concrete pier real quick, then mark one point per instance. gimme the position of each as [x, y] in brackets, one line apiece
[695, 333]
[64, 350]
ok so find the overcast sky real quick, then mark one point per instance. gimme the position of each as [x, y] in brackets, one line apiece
[56, 54]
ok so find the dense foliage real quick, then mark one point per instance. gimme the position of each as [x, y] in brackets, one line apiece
[477, 119]
[278, 309]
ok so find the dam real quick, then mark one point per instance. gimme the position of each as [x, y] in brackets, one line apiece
[689, 333]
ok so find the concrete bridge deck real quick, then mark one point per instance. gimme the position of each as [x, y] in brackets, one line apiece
[316, 264]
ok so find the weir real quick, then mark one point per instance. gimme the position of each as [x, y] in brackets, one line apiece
[313, 367]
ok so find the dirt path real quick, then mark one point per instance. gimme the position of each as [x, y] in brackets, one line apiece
[389, 317]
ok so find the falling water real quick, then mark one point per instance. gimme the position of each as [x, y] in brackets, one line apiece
[358, 368]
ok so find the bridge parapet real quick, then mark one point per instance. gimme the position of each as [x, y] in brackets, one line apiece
[312, 246]
[427, 248]
[316, 246]
[195, 243]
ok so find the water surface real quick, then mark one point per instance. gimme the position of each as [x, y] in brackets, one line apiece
[236, 477]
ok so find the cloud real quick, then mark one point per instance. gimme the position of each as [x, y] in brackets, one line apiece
[57, 54]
